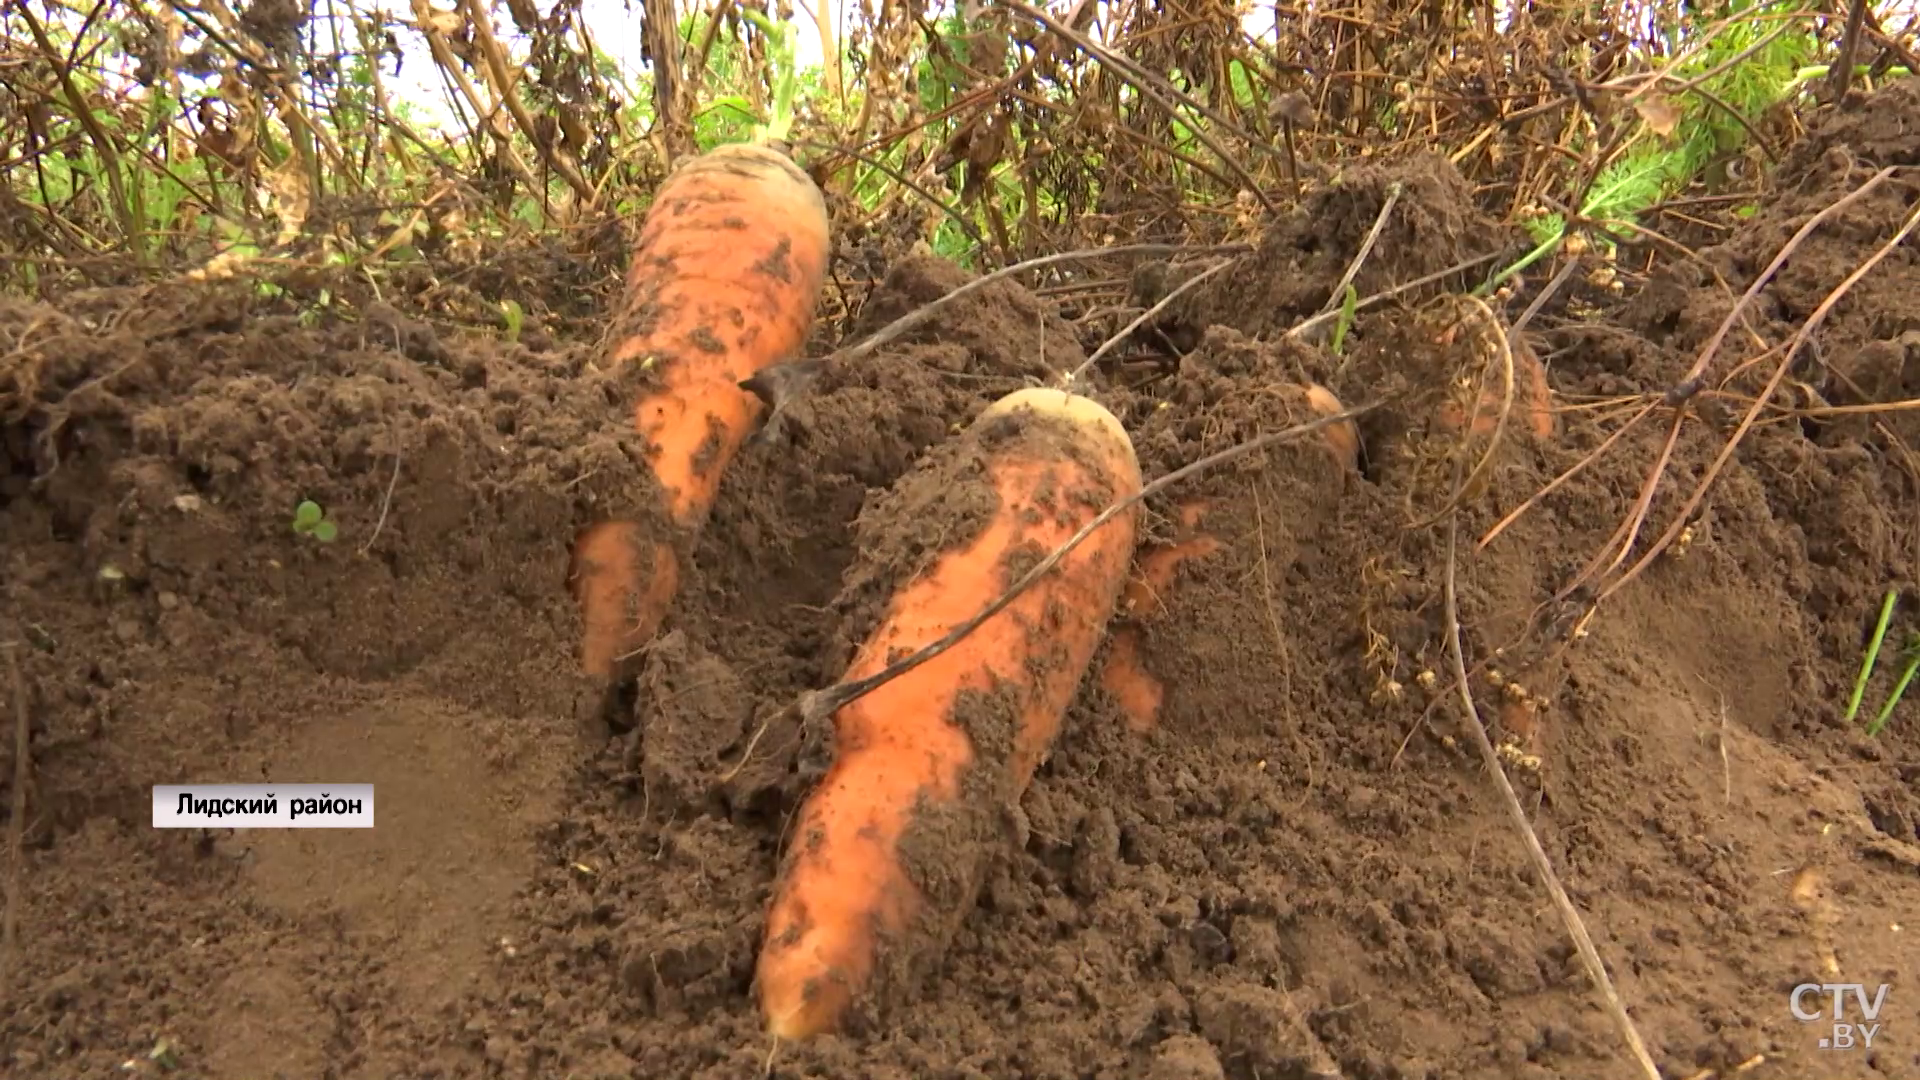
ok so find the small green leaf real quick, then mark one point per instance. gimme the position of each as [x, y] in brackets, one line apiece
[307, 515]
[514, 316]
[325, 532]
[1348, 304]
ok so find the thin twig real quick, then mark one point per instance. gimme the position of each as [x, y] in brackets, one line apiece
[1569, 915]
[1159, 91]
[1705, 359]
[1681, 394]
[816, 706]
[1073, 378]
[1569, 474]
[1554, 285]
[1746, 422]
[1366, 249]
[1307, 326]
[385, 503]
[893, 330]
[779, 384]
[953, 213]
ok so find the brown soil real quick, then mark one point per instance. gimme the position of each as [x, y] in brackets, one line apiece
[1302, 868]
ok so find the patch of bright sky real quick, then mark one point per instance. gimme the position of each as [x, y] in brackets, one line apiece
[615, 27]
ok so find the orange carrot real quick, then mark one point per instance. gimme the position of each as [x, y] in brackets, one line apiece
[1125, 675]
[1342, 438]
[723, 283]
[1532, 400]
[889, 848]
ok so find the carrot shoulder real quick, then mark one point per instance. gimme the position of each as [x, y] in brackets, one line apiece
[723, 282]
[889, 847]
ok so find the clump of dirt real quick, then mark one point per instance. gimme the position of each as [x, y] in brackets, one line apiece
[1297, 866]
[1432, 227]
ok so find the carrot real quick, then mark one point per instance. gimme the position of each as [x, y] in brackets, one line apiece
[1343, 438]
[723, 283]
[890, 846]
[1125, 675]
[1532, 400]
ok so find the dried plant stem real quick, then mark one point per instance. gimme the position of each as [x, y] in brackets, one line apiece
[893, 330]
[954, 215]
[489, 118]
[502, 84]
[1161, 93]
[1620, 544]
[1705, 359]
[1308, 326]
[1569, 915]
[1073, 379]
[1773, 384]
[1366, 249]
[1533, 500]
[130, 223]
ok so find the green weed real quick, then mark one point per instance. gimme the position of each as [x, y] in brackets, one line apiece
[1910, 654]
[310, 520]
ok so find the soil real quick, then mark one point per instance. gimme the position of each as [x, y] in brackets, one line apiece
[1301, 868]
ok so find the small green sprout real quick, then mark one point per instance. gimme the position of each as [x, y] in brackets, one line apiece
[1348, 305]
[1910, 653]
[310, 520]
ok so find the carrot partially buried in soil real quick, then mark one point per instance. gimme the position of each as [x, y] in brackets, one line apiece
[1125, 674]
[723, 283]
[889, 848]
[1532, 398]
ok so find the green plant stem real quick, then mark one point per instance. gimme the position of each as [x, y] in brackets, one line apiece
[785, 78]
[1906, 676]
[1873, 654]
[1540, 252]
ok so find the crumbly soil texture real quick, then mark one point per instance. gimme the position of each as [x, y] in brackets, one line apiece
[1300, 867]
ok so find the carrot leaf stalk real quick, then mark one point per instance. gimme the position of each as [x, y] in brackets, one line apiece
[785, 78]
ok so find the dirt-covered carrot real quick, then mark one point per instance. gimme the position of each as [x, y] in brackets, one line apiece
[1532, 400]
[887, 851]
[723, 283]
[1125, 674]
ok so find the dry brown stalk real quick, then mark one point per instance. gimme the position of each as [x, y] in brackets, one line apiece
[1813, 322]
[501, 83]
[1562, 903]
